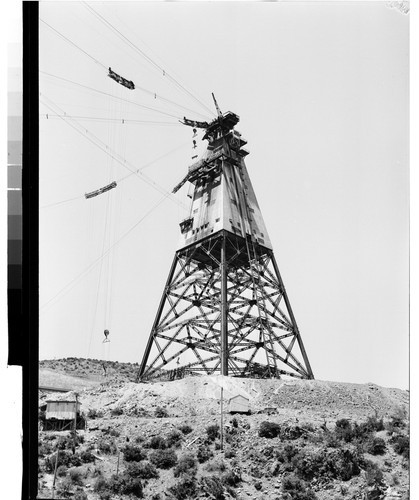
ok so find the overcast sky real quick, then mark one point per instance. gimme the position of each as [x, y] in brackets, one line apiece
[322, 94]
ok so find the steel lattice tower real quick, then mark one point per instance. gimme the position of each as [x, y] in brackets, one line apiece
[224, 308]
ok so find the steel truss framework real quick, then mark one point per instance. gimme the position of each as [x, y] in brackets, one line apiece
[226, 313]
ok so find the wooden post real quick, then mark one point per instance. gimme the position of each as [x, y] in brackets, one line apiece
[117, 465]
[75, 424]
[55, 473]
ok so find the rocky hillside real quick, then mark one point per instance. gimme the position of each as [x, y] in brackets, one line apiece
[301, 440]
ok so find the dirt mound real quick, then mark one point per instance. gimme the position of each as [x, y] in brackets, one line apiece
[319, 400]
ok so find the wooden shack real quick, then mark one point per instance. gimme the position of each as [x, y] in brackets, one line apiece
[62, 412]
[239, 404]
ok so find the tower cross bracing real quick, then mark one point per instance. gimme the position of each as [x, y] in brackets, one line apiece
[224, 308]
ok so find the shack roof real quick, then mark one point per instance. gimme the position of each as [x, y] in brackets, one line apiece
[61, 398]
[239, 396]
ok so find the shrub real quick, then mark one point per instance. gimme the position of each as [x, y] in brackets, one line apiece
[401, 445]
[269, 430]
[93, 413]
[121, 484]
[86, 457]
[287, 453]
[64, 487]
[80, 495]
[341, 463]
[64, 458]
[343, 430]
[97, 472]
[184, 489]
[142, 470]
[231, 478]
[163, 459]
[204, 453]
[44, 449]
[216, 466]
[62, 443]
[292, 433]
[398, 418]
[106, 446]
[62, 470]
[173, 438]
[115, 412]
[100, 485]
[160, 412]
[133, 453]
[156, 443]
[373, 474]
[256, 471]
[213, 486]
[375, 424]
[185, 429]
[213, 432]
[132, 486]
[76, 476]
[258, 485]
[187, 464]
[376, 446]
[229, 453]
[297, 489]
[111, 431]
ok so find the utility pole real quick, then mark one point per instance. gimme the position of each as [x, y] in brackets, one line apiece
[55, 474]
[75, 423]
[117, 465]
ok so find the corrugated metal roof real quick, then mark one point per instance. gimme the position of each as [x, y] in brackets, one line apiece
[68, 396]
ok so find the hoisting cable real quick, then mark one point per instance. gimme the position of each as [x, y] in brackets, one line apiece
[148, 58]
[92, 265]
[100, 278]
[103, 147]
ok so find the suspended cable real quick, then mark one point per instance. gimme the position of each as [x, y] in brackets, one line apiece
[146, 57]
[114, 97]
[91, 266]
[142, 89]
[123, 121]
[119, 180]
[62, 202]
[72, 43]
[103, 147]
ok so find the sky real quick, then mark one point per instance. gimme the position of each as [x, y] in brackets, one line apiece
[322, 91]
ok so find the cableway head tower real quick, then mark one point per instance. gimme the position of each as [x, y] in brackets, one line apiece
[224, 308]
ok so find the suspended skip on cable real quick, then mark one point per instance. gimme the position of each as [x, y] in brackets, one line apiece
[119, 79]
[92, 194]
[106, 333]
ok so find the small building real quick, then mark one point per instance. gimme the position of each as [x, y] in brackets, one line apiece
[239, 404]
[60, 413]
